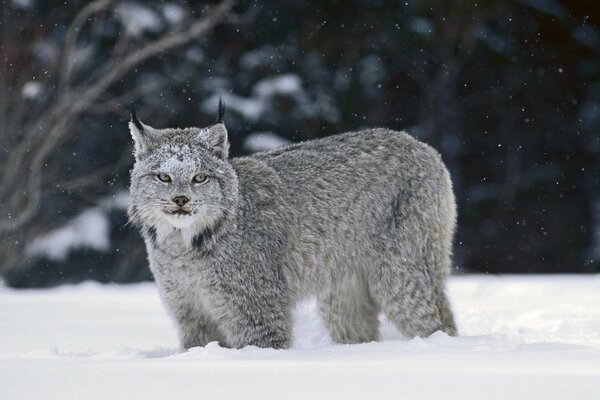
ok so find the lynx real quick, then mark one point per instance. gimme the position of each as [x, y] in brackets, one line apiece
[363, 221]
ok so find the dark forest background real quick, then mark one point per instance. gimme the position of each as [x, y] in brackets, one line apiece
[507, 91]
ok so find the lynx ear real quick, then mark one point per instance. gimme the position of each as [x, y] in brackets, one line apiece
[221, 119]
[215, 136]
[140, 133]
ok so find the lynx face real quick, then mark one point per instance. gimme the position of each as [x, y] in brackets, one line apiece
[181, 179]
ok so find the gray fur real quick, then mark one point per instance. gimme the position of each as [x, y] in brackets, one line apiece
[364, 221]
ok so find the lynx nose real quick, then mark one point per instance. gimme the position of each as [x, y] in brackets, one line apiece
[180, 200]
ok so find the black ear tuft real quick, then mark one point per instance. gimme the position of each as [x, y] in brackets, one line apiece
[221, 111]
[135, 119]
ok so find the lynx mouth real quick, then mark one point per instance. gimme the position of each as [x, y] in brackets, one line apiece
[180, 218]
[179, 212]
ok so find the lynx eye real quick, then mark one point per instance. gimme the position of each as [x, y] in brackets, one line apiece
[200, 178]
[163, 177]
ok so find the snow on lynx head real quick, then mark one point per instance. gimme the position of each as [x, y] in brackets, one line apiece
[181, 180]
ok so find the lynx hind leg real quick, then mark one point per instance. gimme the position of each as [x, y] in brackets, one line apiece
[349, 312]
[411, 302]
[446, 315]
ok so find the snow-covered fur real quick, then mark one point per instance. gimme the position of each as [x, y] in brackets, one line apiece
[364, 221]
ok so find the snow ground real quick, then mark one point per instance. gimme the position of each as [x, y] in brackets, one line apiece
[522, 337]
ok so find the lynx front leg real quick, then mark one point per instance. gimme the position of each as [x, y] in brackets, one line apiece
[275, 335]
[261, 328]
[197, 329]
[256, 321]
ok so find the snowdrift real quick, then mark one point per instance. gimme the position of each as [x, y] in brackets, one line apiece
[521, 337]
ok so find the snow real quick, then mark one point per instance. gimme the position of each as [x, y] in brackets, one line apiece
[137, 18]
[252, 108]
[23, 4]
[421, 25]
[248, 107]
[173, 13]
[116, 201]
[263, 141]
[45, 50]
[263, 95]
[31, 90]
[286, 84]
[90, 229]
[265, 56]
[195, 54]
[533, 337]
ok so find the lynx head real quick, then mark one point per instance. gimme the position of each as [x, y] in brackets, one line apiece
[181, 180]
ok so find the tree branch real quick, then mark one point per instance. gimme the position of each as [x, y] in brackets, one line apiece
[34, 150]
[66, 64]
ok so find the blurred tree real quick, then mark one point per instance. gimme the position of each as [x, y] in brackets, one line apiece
[508, 91]
[71, 70]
